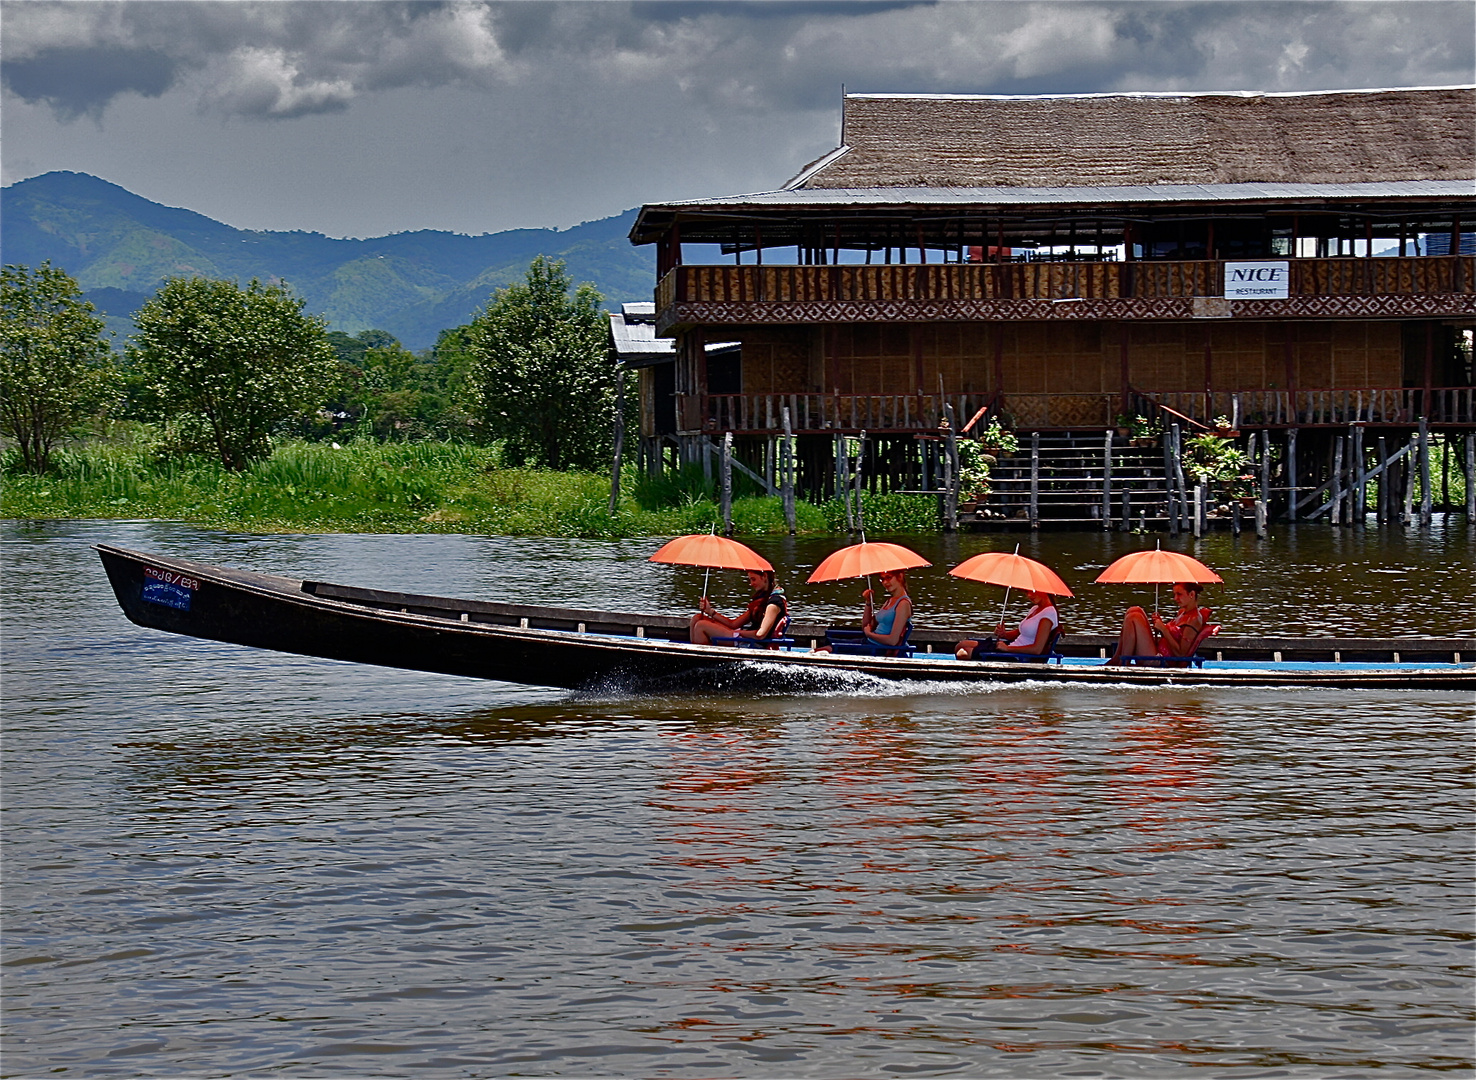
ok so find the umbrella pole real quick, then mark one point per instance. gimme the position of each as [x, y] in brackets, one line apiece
[706, 575]
[1006, 607]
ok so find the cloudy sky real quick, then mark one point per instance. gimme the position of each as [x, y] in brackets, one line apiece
[363, 118]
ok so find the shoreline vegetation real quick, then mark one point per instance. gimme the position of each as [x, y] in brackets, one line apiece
[414, 487]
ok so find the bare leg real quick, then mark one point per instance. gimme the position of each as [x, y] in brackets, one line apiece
[964, 650]
[701, 630]
[1136, 638]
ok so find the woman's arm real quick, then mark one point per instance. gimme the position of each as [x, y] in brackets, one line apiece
[899, 624]
[868, 616]
[1179, 635]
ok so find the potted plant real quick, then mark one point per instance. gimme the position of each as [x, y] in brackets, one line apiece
[973, 469]
[1124, 426]
[996, 439]
[1143, 431]
[1222, 429]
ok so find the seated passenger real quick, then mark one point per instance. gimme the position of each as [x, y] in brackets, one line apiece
[1032, 637]
[886, 625]
[1145, 635]
[759, 620]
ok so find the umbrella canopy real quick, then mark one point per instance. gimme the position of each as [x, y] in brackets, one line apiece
[1155, 567]
[714, 552]
[1011, 571]
[864, 558]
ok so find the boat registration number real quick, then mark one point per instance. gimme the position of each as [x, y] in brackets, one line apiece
[169, 588]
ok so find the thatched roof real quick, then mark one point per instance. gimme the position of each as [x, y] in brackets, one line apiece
[1096, 140]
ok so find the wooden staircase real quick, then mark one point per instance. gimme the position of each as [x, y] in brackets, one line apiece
[1056, 481]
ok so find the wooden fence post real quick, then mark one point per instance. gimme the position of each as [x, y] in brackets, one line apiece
[619, 436]
[727, 483]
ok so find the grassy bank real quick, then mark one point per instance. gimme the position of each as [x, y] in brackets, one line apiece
[366, 486]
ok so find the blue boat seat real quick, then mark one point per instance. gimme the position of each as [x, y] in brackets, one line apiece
[1192, 659]
[856, 643]
[1049, 656]
[776, 640]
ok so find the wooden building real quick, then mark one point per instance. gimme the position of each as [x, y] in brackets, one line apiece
[1059, 261]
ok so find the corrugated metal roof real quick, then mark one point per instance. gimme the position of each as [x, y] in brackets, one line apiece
[1137, 193]
[633, 333]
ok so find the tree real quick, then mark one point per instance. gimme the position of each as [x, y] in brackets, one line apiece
[56, 365]
[231, 365]
[541, 375]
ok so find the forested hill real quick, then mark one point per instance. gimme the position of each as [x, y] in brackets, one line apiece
[120, 247]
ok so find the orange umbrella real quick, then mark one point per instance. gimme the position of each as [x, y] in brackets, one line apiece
[863, 559]
[705, 549]
[1158, 567]
[711, 551]
[1012, 571]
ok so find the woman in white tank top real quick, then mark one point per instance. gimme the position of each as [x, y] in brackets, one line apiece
[1033, 635]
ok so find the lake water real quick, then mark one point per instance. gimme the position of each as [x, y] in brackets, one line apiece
[227, 862]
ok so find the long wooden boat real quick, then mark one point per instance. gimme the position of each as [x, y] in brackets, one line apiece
[575, 648]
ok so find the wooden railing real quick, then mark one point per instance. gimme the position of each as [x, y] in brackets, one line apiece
[1196, 411]
[1416, 276]
[1311, 408]
[836, 412]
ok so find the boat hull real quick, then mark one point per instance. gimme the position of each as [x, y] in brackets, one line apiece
[581, 649]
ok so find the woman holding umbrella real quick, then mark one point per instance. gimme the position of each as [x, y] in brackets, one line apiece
[760, 620]
[1148, 635]
[1032, 636]
[1038, 628]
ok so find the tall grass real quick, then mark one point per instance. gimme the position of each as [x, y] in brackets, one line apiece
[366, 486]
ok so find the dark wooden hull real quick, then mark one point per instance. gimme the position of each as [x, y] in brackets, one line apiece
[578, 649]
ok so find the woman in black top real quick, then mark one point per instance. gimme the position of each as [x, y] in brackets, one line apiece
[760, 619]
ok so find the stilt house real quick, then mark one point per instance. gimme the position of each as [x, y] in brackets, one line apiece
[1285, 261]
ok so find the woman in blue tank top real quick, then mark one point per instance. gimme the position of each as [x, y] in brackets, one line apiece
[887, 625]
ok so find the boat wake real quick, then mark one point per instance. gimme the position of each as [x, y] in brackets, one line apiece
[757, 679]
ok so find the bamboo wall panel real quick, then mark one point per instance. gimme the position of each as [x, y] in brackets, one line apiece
[1343, 287]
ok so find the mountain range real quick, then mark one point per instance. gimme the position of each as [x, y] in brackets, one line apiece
[120, 247]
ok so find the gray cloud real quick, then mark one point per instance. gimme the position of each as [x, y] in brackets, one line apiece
[286, 60]
[362, 118]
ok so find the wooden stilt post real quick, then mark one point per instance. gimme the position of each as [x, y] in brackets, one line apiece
[1409, 479]
[1471, 477]
[1107, 481]
[950, 471]
[860, 469]
[786, 472]
[1291, 472]
[1170, 459]
[1425, 493]
[1179, 478]
[1198, 508]
[727, 462]
[1261, 494]
[1445, 473]
[1127, 508]
[1035, 479]
[1382, 506]
[1335, 493]
[1360, 483]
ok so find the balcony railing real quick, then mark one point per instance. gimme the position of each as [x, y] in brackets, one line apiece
[920, 413]
[744, 286]
[1314, 408]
